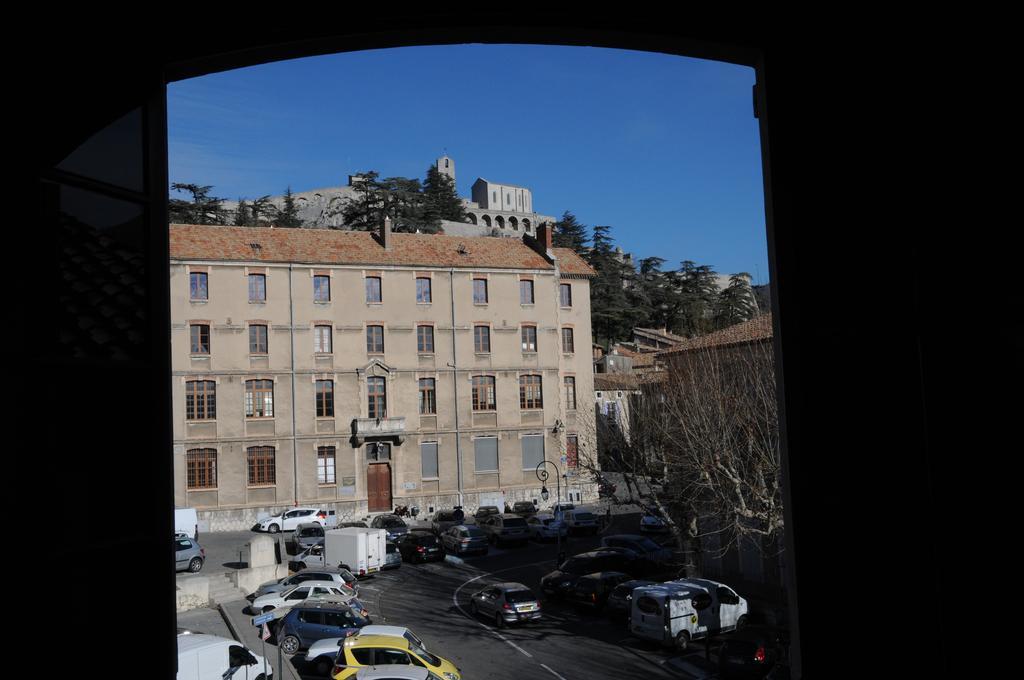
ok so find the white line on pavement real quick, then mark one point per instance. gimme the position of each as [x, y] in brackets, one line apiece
[552, 672]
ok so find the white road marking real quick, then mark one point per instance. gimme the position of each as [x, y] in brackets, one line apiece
[552, 672]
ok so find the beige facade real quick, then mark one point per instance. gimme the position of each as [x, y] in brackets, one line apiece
[257, 418]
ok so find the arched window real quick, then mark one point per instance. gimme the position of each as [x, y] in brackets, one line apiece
[526, 225]
[514, 223]
[262, 466]
[471, 217]
[500, 221]
[201, 469]
[487, 220]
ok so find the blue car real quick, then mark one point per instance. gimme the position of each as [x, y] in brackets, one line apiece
[318, 619]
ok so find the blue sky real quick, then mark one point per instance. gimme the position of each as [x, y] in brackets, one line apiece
[664, 149]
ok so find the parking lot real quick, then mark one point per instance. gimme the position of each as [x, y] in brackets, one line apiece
[433, 600]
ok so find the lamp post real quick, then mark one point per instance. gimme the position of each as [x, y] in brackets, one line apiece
[542, 475]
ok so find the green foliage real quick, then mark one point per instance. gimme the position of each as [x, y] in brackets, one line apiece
[735, 303]
[202, 209]
[569, 233]
[399, 198]
[243, 216]
[612, 315]
[698, 294]
[440, 200]
[289, 215]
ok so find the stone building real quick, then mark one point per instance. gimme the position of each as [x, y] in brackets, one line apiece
[359, 371]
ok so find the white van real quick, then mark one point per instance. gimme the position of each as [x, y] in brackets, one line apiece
[208, 657]
[361, 551]
[688, 609]
[186, 521]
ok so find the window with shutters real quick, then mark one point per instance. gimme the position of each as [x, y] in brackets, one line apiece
[485, 450]
[533, 451]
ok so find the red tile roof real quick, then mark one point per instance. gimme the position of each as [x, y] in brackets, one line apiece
[662, 334]
[570, 263]
[329, 246]
[741, 333]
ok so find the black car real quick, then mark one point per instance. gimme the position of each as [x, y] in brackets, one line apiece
[751, 652]
[620, 602]
[420, 546]
[443, 521]
[524, 508]
[393, 524]
[485, 511]
[592, 590]
[559, 582]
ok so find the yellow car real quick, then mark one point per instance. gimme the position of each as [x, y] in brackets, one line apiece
[385, 645]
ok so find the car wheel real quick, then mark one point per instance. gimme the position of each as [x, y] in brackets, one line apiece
[682, 641]
[195, 564]
[268, 608]
[323, 665]
[301, 566]
[498, 621]
[290, 644]
[742, 623]
[273, 529]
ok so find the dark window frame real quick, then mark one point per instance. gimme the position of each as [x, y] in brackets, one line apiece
[565, 295]
[324, 398]
[253, 391]
[523, 289]
[424, 295]
[480, 286]
[200, 467]
[569, 382]
[485, 393]
[570, 346]
[326, 476]
[261, 465]
[528, 338]
[376, 397]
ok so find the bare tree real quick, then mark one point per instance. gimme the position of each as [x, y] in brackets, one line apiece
[707, 429]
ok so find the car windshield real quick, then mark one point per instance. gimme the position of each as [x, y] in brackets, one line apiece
[515, 522]
[517, 596]
[422, 653]
[584, 515]
[392, 522]
[578, 565]
[473, 532]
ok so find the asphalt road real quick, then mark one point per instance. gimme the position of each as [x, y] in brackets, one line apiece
[432, 600]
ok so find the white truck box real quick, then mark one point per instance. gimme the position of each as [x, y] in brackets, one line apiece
[186, 521]
[679, 611]
[361, 551]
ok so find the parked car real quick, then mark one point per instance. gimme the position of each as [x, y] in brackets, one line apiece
[298, 593]
[752, 652]
[462, 539]
[188, 554]
[505, 528]
[559, 582]
[641, 545]
[393, 524]
[312, 557]
[652, 522]
[524, 508]
[208, 657]
[309, 534]
[342, 577]
[506, 603]
[591, 591]
[393, 558]
[385, 645]
[580, 521]
[443, 521]
[420, 546]
[394, 672]
[544, 527]
[315, 620]
[289, 520]
[620, 601]
[677, 612]
[485, 511]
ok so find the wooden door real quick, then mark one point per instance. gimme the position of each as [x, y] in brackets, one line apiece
[378, 487]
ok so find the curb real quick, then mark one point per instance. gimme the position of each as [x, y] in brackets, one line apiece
[288, 669]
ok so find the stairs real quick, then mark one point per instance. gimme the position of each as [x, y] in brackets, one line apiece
[223, 590]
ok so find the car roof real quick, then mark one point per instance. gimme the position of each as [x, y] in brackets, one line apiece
[309, 525]
[329, 602]
[509, 515]
[320, 570]
[361, 639]
[377, 629]
[305, 584]
[487, 507]
[674, 589]
[510, 586]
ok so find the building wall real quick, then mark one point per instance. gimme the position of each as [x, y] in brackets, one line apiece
[229, 364]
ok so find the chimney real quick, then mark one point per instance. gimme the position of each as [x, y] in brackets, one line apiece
[544, 234]
[385, 233]
[542, 243]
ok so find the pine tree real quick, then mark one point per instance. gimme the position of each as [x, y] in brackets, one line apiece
[698, 295]
[656, 295]
[289, 215]
[203, 209]
[612, 315]
[262, 211]
[735, 303]
[569, 233]
[242, 215]
[440, 200]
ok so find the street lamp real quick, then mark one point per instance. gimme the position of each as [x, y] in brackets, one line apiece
[542, 475]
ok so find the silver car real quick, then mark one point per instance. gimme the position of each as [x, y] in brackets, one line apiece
[462, 539]
[188, 554]
[506, 603]
[336, 574]
[544, 526]
[309, 534]
[393, 558]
